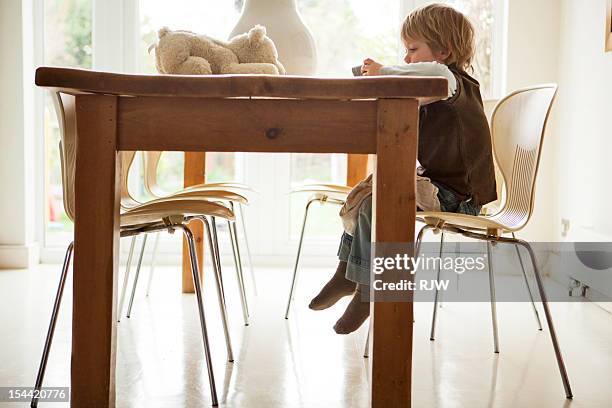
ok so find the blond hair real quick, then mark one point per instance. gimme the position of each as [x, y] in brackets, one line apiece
[442, 28]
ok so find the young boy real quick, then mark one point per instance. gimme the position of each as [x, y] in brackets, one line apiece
[454, 148]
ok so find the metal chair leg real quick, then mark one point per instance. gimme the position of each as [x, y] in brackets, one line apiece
[419, 239]
[239, 275]
[493, 303]
[220, 291]
[435, 305]
[248, 248]
[535, 310]
[549, 321]
[297, 259]
[152, 265]
[51, 330]
[126, 278]
[142, 249]
[213, 225]
[366, 351]
[238, 262]
[198, 289]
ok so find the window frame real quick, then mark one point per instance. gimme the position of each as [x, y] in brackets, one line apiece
[123, 17]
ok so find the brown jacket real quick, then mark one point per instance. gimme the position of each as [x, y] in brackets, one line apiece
[455, 142]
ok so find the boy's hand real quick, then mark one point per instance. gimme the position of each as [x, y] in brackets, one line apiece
[370, 67]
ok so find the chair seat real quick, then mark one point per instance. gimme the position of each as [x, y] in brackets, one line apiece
[464, 221]
[337, 191]
[154, 211]
[217, 194]
[224, 185]
[238, 188]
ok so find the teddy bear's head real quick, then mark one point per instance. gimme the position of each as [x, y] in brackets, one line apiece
[255, 46]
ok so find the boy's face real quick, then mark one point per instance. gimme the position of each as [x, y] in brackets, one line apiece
[419, 51]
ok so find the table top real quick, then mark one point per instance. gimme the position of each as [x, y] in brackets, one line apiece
[79, 81]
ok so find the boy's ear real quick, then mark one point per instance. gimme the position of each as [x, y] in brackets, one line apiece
[444, 53]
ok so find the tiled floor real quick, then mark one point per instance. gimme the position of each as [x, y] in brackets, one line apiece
[302, 362]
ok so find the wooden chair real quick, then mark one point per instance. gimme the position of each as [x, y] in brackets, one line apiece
[157, 215]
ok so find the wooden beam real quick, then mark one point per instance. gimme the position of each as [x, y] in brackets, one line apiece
[96, 248]
[193, 173]
[394, 202]
[269, 125]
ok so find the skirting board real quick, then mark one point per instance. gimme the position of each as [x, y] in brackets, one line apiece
[18, 256]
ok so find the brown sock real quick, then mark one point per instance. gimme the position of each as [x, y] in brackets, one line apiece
[337, 288]
[355, 314]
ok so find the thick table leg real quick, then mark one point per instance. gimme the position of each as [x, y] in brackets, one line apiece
[96, 244]
[193, 173]
[356, 168]
[394, 221]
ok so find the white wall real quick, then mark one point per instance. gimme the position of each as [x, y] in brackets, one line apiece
[16, 134]
[583, 130]
[563, 41]
[532, 58]
[584, 119]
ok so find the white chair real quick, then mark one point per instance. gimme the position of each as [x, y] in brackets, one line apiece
[517, 127]
[213, 196]
[322, 193]
[153, 216]
[228, 193]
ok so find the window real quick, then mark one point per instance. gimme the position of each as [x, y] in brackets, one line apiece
[345, 33]
[67, 42]
[315, 168]
[76, 33]
[213, 18]
[210, 17]
[482, 15]
[348, 31]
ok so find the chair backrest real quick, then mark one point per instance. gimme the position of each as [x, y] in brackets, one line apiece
[151, 161]
[518, 123]
[66, 118]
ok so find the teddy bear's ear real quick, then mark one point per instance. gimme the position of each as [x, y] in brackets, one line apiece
[257, 34]
[162, 32]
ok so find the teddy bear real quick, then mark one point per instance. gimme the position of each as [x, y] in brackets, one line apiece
[188, 53]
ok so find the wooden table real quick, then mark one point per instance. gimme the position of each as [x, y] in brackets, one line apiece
[287, 114]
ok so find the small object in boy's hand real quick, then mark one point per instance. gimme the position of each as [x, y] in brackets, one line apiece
[357, 70]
